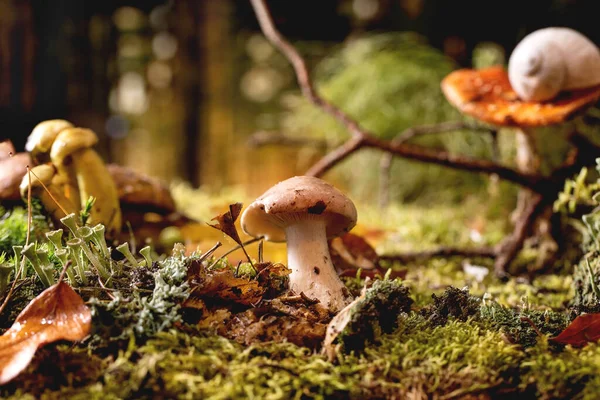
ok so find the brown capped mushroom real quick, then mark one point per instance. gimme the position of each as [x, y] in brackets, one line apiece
[305, 211]
[12, 169]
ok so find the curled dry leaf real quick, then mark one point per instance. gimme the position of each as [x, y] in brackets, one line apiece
[58, 313]
[351, 252]
[337, 325]
[226, 222]
[583, 330]
[225, 286]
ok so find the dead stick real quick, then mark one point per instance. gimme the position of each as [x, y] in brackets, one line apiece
[263, 138]
[508, 249]
[362, 138]
[385, 164]
[440, 252]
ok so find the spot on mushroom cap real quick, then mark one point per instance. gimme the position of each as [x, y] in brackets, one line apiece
[298, 198]
[71, 140]
[486, 94]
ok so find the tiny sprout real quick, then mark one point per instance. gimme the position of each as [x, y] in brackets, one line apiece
[100, 240]
[70, 222]
[124, 249]
[85, 232]
[145, 252]
[56, 238]
[47, 265]
[87, 209]
[75, 246]
[63, 256]
[5, 271]
[18, 250]
[30, 253]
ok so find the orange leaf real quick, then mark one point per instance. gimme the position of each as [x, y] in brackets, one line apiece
[583, 330]
[58, 313]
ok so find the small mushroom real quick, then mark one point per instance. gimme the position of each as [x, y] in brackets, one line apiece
[73, 156]
[487, 94]
[41, 176]
[12, 168]
[40, 140]
[305, 211]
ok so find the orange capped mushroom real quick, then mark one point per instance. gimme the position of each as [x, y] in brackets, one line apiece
[487, 95]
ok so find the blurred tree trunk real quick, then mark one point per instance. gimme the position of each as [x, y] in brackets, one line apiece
[217, 92]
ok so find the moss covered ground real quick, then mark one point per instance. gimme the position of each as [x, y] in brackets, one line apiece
[465, 336]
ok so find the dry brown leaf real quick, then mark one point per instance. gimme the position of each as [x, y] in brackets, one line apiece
[351, 252]
[486, 94]
[58, 313]
[223, 285]
[226, 222]
[583, 330]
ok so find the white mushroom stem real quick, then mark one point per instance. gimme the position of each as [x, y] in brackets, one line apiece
[528, 161]
[310, 262]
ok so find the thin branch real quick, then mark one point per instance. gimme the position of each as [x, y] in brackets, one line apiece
[484, 252]
[385, 164]
[263, 138]
[508, 249]
[362, 138]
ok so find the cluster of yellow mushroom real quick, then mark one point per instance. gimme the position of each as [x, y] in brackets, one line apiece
[71, 172]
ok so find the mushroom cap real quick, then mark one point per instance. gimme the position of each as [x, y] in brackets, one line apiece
[70, 140]
[12, 170]
[140, 190]
[43, 135]
[39, 174]
[6, 149]
[486, 94]
[298, 198]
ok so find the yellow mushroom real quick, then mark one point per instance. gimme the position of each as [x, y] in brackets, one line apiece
[42, 137]
[74, 158]
[41, 176]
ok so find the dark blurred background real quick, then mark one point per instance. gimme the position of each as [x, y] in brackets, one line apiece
[174, 88]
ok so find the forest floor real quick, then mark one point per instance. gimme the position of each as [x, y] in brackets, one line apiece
[467, 334]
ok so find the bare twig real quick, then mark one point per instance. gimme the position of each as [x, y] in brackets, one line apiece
[440, 252]
[387, 158]
[508, 249]
[263, 138]
[545, 189]
[362, 138]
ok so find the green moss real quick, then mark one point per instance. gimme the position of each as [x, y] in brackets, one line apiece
[456, 358]
[375, 315]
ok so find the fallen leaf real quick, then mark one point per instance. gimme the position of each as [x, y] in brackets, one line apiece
[225, 285]
[58, 313]
[583, 330]
[351, 252]
[226, 222]
[337, 325]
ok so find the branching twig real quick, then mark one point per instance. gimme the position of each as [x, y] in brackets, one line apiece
[440, 252]
[362, 138]
[263, 138]
[387, 158]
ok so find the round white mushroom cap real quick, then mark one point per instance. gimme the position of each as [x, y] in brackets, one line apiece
[298, 198]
